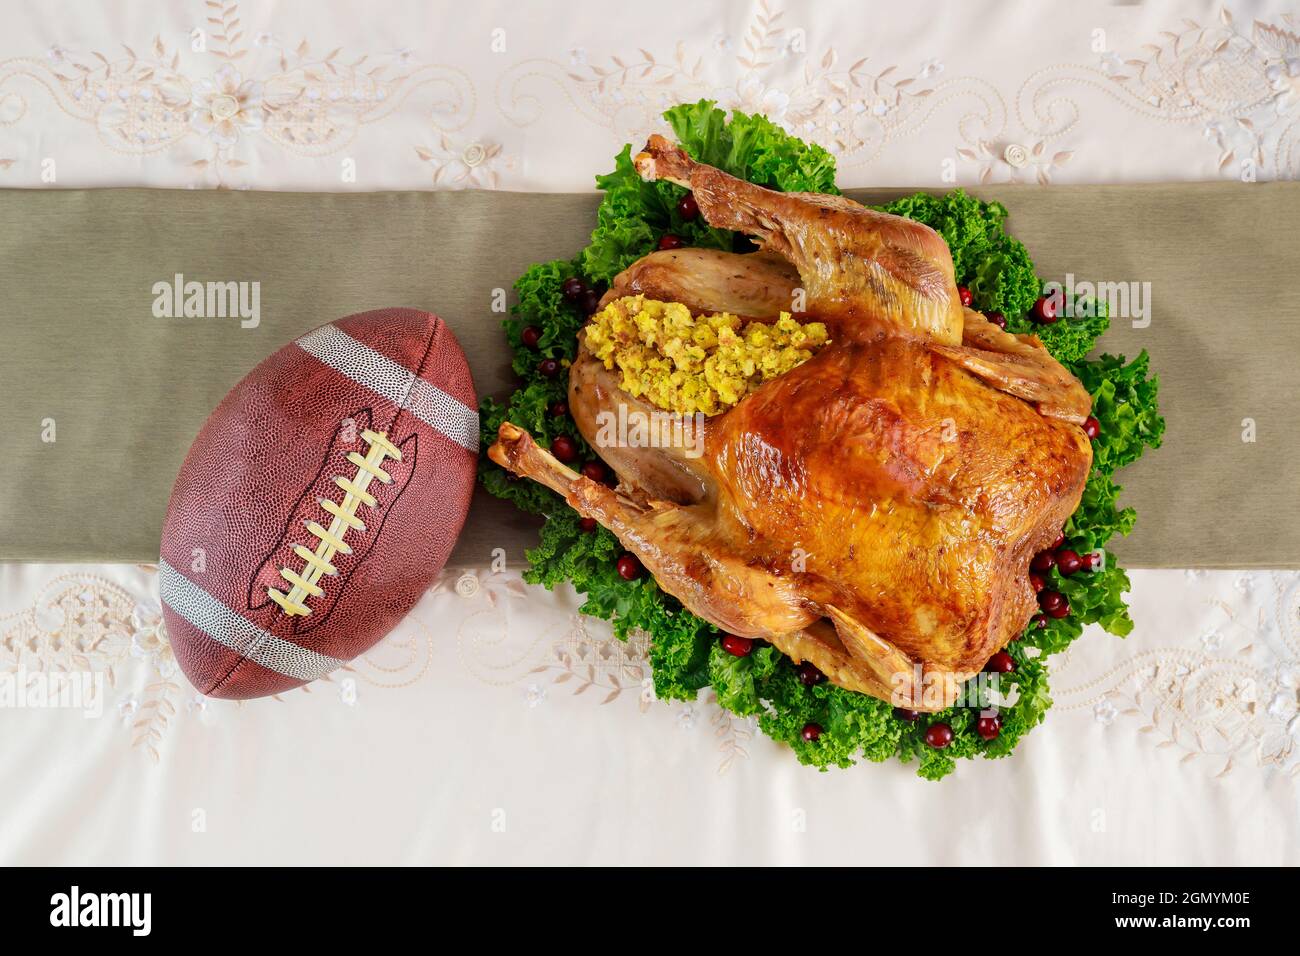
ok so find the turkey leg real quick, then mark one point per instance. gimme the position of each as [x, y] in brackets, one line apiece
[875, 271]
[678, 544]
[738, 594]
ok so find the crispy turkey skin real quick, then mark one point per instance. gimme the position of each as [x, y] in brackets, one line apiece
[874, 510]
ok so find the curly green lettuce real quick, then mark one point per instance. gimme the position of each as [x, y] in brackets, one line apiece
[685, 653]
[634, 213]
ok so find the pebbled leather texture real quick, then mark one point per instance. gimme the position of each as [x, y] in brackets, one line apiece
[256, 473]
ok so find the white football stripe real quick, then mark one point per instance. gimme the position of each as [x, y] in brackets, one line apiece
[389, 380]
[236, 632]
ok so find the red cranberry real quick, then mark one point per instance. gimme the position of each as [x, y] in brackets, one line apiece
[811, 732]
[1000, 663]
[589, 302]
[1042, 562]
[1054, 603]
[998, 319]
[669, 241]
[559, 409]
[963, 293]
[629, 568]
[687, 207]
[1036, 581]
[549, 367]
[989, 727]
[737, 646]
[587, 525]
[1060, 540]
[1091, 560]
[911, 716]
[595, 470]
[938, 736]
[1068, 562]
[1039, 621]
[531, 335]
[1044, 310]
[1091, 427]
[809, 675]
[564, 448]
[573, 288]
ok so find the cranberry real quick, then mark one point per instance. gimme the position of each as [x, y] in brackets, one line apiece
[963, 293]
[595, 470]
[809, 675]
[811, 732]
[989, 727]
[629, 568]
[1000, 663]
[531, 335]
[1039, 621]
[737, 646]
[559, 409]
[687, 207]
[911, 716]
[564, 448]
[588, 525]
[1060, 540]
[589, 302]
[938, 736]
[1054, 603]
[1036, 581]
[1068, 562]
[1044, 310]
[573, 288]
[998, 319]
[1091, 427]
[1042, 562]
[549, 367]
[669, 241]
[1091, 560]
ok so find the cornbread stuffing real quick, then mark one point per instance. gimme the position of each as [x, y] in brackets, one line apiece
[703, 363]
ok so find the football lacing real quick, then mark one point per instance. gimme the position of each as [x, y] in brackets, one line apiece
[319, 562]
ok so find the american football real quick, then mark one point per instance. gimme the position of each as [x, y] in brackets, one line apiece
[318, 503]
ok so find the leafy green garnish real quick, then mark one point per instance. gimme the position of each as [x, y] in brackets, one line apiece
[993, 265]
[635, 214]
[685, 652]
[753, 148]
[1124, 402]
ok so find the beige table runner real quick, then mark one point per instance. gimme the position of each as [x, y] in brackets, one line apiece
[84, 359]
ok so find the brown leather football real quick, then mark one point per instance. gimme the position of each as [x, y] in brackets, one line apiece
[318, 503]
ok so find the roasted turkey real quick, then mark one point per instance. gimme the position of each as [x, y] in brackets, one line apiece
[875, 509]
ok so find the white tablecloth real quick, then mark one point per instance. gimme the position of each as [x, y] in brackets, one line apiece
[496, 725]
